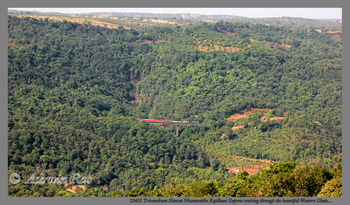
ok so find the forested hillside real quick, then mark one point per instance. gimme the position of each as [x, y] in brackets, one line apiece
[75, 92]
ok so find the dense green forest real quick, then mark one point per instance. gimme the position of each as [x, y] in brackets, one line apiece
[75, 92]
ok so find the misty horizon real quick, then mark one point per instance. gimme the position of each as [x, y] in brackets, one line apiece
[302, 12]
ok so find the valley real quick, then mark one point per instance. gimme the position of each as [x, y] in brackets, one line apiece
[268, 98]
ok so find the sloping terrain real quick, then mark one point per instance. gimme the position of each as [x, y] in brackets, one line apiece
[76, 91]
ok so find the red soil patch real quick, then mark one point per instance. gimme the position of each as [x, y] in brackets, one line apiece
[236, 128]
[252, 170]
[285, 45]
[244, 115]
[232, 49]
[278, 119]
[235, 117]
[216, 47]
[234, 169]
[252, 166]
[72, 188]
[318, 123]
[334, 31]
[223, 136]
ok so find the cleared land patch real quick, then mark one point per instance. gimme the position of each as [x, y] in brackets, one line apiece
[252, 166]
[209, 46]
[73, 188]
[237, 127]
[278, 119]
[244, 115]
[334, 31]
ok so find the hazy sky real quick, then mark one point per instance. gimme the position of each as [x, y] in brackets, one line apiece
[313, 13]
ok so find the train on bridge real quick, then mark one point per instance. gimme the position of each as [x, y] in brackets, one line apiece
[167, 121]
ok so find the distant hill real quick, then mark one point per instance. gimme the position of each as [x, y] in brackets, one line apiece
[329, 23]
